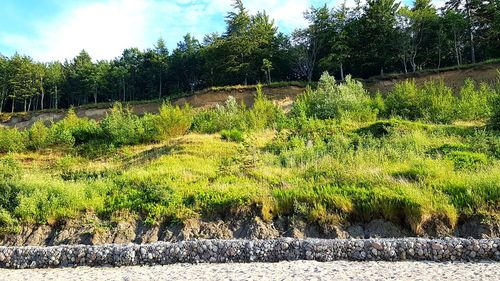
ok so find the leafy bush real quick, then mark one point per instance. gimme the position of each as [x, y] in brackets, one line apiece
[495, 108]
[38, 136]
[474, 104]
[347, 101]
[9, 172]
[224, 117]
[264, 113]
[73, 130]
[172, 121]
[403, 101]
[437, 102]
[11, 140]
[232, 135]
[122, 127]
[464, 160]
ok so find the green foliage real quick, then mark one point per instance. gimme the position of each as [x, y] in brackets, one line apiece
[464, 160]
[224, 117]
[11, 140]
[474, 104]
[173, 121]
[38, 136]
[10, 172]
[73, 130]
[346, 101]
[403, 101]
[434, 102]
[122, 127]
[232, 135]
[264, 114]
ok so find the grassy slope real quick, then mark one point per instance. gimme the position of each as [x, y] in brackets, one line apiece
[395, 170]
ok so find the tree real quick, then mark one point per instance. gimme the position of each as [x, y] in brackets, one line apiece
[4, 63]
[161, 63]
[309, 42]
[55, 78]
[378, 25]
[267, 66]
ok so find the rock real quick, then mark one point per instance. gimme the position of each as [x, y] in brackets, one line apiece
[377, 246]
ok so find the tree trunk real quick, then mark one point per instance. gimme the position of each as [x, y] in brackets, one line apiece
[471, 34]
[13, 104]
[55, 102]
[1, 104]
[123, 85]
[342, 71]
[160, 95]
[457, 53]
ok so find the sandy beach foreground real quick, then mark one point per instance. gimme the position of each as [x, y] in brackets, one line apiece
[298, 270]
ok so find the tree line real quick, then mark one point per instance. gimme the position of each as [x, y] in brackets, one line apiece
[372, 38]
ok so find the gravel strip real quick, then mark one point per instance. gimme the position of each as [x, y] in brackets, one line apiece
[224, 251]
[297, 270]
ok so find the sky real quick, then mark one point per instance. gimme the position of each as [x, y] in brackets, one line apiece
[50, 30]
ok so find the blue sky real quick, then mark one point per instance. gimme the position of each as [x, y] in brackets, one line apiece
[55, 30]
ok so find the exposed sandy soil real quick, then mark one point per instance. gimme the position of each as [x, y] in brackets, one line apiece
[453, 78]
[297, 270]
[283, 96]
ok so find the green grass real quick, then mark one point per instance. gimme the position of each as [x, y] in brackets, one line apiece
[235, 162]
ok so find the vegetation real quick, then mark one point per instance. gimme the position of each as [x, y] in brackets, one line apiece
[330, 160]
[376, 37]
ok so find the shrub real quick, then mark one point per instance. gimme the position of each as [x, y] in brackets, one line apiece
[403, 101]
[228, 116]
[433, 102]
[172, 121]
[495, 107]
[264, 113]
[9, 172]
[232, 135]
[347, 101]
[73, 130]
[437, 102]
[464, 160]
[11, 140]
[38, 136]
[473, 104]
[122, 127]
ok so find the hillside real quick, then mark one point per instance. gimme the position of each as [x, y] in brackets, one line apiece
[283, 95]
[339, 164]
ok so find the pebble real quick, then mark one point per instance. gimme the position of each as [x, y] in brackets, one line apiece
[215, 251]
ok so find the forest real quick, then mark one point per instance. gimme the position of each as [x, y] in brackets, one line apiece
[372, 38]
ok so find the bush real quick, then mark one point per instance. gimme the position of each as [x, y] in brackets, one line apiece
[264, 113]
[433, 102]
[403, 101]
[10, 171]
[11, 140]
[495, 107]
[437, 102]
[474, 104]
[122, 127]
[225, 117]
[232, 135]
[464, 160]
[38, 136]
[73, 130]
[172, 121]
[347, 101]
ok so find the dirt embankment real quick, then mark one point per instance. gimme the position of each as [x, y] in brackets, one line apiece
[453, 78]
[284, 96]
[204, 99]
[93, 231]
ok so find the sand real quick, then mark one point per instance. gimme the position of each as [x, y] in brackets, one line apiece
[299, 270]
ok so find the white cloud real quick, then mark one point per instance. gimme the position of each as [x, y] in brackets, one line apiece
[107, 27]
